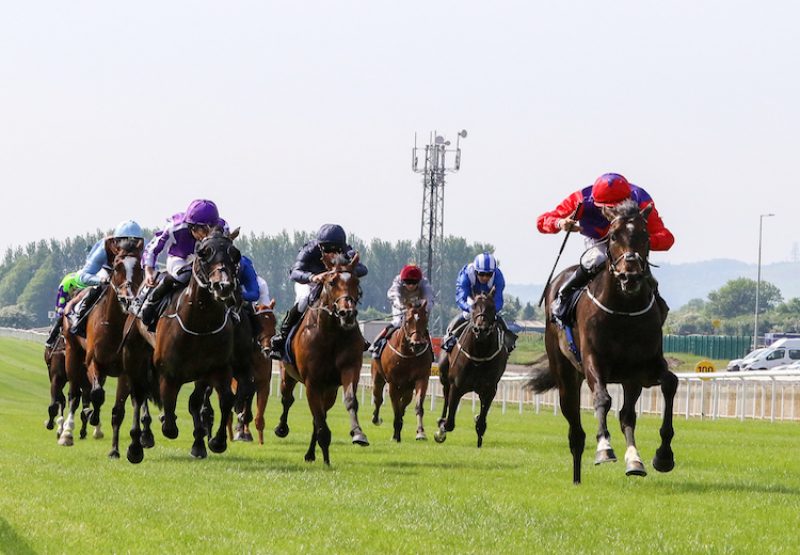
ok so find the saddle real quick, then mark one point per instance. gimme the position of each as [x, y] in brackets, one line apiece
[79, 314]
[380, 345]
[571, 313]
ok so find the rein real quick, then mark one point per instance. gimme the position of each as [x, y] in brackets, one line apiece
[604, 308]
[473, 358]
[177, 317]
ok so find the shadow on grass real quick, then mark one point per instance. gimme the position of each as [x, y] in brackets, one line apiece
[693, 487]
[12, 542]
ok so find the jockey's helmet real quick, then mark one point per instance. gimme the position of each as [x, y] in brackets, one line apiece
[333, 235]
[411, 272]
[610, 189]
[202, 212]
[485, 263]
[128, 228]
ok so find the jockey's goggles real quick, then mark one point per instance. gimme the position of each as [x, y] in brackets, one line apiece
[329, 248]
[410, 281]
[485, 274]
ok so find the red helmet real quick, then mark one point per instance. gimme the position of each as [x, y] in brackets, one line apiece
[411, 273]
[610, 189]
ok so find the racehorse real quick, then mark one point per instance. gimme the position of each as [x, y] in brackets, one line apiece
[617, 339]
[97, 356]
[328, 348]
[57, 372]
[476, 363]
[261, 366]
[405, 364]
[193, 342]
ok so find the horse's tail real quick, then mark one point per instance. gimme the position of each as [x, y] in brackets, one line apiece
[153, 388]
[541, 378]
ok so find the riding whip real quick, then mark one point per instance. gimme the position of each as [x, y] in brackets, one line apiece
[563, 244]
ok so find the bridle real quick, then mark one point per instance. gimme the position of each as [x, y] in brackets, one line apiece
[485, 333]
[417, 348]
[226, 268]
[344, 314]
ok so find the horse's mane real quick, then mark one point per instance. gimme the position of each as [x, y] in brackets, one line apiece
[628, 208]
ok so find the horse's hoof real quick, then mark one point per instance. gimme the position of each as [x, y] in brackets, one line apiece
[377, 420]
[663, 465]
[238, 436]
[94, 418]
[604, 456]
[169, 431]
[440, 436]
[310, 457]
[421, 436]
[147, 439]
[360, 439]
[635, 468]
[199, 450]
[396, 439]
[66, 440]
[480, 442]
[49, 424]
[247, 436]
[217, 446]
[98, 434]
[83, 434]
[113, 454]
[281, 430]
[135, 454]
[440, 422]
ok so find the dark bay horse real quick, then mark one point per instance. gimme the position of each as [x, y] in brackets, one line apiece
[98, 356]
[261, 369]
[328, 348]
[54, 358]
[193, 342]
[405, 364]
[476, 363]
[618, 337]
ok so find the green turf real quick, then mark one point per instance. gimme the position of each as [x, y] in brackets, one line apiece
[735, 488]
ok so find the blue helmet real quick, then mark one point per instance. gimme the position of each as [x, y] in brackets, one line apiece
[332, 234]
[129, 228]
[485, 263]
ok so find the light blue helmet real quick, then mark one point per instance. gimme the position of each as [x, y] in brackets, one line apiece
[129, 228]
[485, 263]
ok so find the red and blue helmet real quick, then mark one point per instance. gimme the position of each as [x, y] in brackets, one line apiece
[610, 189]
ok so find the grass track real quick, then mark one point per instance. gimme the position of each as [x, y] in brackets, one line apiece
[735, 489]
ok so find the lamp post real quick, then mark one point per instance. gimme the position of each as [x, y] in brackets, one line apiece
[758, 280]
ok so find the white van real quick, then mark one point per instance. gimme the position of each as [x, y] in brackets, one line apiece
[738, 363]
[777, 356]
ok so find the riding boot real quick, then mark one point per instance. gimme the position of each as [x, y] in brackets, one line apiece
[444, 365]
[278, 343]
[380, 342]
[86, 303]
[54, 331]
[451, 335]
[149, 309]
[558, 308]
[662, 304]
[509, 337]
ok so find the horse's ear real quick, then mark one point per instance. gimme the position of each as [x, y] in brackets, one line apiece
[354, 261]
[608, 212]
[423, 304]
[111, 249]
[492, 290]
[234, 234]
[140, 245]
[645, 212]
[271, 304]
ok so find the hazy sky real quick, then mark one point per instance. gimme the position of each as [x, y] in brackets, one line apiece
[293, 114]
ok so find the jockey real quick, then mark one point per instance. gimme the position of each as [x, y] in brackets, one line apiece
[308, 273]
[179, 237]
[249, 283]
[95, 270]
[409, 287]
[473, 279]
[67, 289]
[608, 190]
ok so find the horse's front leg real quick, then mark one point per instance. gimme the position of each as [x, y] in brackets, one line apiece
[219, 443]
[421, 388]
[196, 400]
[57, 400]
[664, 460]
[448, 421]
[602, 404]
[349, 384]
[378, 384]
[136, 447]
[400, 399]
[627, 421]
[287, 399]
[486, 398]
[118, 413]
[169, 399]
[66, 426]
[98, 394]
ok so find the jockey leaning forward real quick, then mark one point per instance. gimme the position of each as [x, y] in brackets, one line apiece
[308, 273]
[608, 190]
[409, 287]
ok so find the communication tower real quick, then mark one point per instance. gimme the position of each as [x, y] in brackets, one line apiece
[437, 155]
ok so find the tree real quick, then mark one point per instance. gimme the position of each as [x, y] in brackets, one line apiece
[15, 316]
[528, 312]
[738, 297]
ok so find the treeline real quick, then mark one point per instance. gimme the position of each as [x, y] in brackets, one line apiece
[29, 276]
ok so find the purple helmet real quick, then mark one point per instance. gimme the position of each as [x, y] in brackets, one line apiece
[203, 212]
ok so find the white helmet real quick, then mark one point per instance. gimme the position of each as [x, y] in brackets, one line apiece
[485, 263]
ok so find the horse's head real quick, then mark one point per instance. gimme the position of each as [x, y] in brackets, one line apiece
[628, 244]
[340, 290]
[483, 314]
[123, 256]
[415, 325]
[265, 314]
[216, 264]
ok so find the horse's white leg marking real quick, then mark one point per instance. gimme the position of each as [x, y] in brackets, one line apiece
[632, 454]
[603, 444]
[98, 433]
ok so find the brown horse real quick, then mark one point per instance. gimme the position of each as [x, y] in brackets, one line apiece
[618, 338]
[193, 342]
[405, 364]
[261, 366]
[54, 359]
[97, 356]
[328, 348]
[476, 363]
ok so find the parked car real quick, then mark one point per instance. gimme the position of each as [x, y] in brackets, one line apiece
[737, 364]
[793, 367]
[774, 357]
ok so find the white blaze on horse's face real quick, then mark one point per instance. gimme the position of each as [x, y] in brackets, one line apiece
[345, 276]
